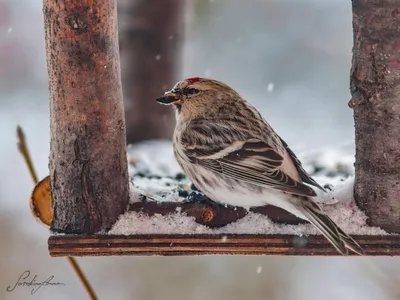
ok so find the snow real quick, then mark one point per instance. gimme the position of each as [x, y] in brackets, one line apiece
[156, 175]
[153, 157]
[153, 171]
[162, 190]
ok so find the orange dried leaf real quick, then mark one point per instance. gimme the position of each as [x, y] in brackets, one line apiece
[41, 202]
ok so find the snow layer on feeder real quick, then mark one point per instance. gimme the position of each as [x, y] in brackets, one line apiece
[157, 177]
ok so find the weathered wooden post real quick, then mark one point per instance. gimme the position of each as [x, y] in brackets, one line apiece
[151, 33]
[88, 165]
[375, 86]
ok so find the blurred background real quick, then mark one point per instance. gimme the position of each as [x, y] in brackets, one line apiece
[290, 58]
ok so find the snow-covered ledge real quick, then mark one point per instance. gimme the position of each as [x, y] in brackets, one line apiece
[162, 219]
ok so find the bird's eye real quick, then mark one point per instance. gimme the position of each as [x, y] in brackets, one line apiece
[190, 91]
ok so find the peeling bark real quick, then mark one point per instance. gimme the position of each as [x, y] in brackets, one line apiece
[88, 164]
[151, 45]
[375, 87]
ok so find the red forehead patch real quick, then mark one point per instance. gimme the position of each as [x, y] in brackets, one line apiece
[193, 80]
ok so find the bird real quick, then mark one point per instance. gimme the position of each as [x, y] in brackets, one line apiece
[234, 157]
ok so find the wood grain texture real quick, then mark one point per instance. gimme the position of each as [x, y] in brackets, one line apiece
[205, 244]
[88, 163]
[375, 87]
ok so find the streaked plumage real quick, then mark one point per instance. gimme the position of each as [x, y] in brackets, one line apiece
[234, 156]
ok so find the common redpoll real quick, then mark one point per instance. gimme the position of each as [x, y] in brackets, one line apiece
[234, 157]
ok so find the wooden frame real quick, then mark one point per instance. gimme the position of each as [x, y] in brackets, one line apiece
[205, 244]
[88, 170]
[213, 244]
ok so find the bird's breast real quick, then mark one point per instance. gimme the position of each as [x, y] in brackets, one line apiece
[223, 189]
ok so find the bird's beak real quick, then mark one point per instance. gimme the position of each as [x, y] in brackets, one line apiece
[169, 98]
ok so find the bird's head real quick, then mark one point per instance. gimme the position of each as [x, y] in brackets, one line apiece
[198, 96]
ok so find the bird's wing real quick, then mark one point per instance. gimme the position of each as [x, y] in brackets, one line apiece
[251, 160]
[304, 176]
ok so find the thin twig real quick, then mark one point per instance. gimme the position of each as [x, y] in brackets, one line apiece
[82, 277]
[23, 148]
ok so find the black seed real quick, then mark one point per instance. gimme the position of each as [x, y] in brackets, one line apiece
[317, 169]
[197, 197]
[142, 197]
[139, 174]
[180, 176]
[328, 186]
[193, 187]
[183, 193]
[334, 173]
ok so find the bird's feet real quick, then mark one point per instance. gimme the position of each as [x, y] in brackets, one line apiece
[198, 197]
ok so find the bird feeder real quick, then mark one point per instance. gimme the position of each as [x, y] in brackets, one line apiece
[88, 162]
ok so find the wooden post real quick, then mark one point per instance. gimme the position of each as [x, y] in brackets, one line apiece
[375, 87]
[88, 164]
[151, 33]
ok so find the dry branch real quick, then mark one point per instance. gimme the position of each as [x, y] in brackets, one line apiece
[212, 215]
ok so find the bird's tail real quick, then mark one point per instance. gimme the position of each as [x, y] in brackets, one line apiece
[338, 238]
